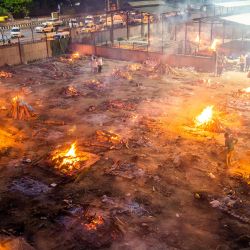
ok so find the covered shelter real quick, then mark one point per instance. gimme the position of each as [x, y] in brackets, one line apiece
[233, 7]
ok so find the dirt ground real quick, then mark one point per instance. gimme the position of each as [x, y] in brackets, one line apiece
[159, 183]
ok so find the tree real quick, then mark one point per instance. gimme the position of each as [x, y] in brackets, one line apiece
[17, 8]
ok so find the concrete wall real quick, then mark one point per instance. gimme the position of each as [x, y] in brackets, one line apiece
[205, 64]
[13, 55]
[35, 51]
[9, 55]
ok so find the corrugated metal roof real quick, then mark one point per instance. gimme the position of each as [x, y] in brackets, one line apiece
[240, 19]
[233, 4]
[146, 3]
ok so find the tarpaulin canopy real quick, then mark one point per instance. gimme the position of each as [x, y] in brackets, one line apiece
[243, 19]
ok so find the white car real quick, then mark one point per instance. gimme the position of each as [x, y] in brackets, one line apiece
[89, 19]
[15, 32]
[44, 28]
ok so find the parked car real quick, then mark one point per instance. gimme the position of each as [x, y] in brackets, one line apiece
[44, 28]
[15, 32]
[90, 27]
[55, 22]
[89, 19]
[73, 23]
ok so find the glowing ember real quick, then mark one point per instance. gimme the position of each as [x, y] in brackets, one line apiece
[205, 117]
[134, 67]
[68, 161]
[118, 73]
[4, 74]
[214, 45]
[94, 223]
[247, 90]
[75, 55]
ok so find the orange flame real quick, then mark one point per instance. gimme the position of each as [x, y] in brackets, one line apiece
[67, 159]
[197, 39]
[205, 117]
[247, 90]
[75, 55]
[94, 223]
[214, 45]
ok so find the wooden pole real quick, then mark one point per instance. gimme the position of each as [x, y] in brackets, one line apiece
[148, 30]
[185, 42]
[20, 51]
[199, 35]
[162, 33]
[127, 23]
[112, 29]
[211, 31]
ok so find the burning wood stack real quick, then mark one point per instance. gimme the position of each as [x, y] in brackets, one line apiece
[134, 67]
[71, 58]
[106, 136]
[70, 91]
[122, 74]
[245, 93]
[207, 121]
[20, 110]
[4, 74]
[94, 84]
[70, 162]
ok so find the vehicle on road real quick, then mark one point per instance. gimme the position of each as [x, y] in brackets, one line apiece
[15, 32]
[3, 18]
[44, 28]
[89, 19]
[90, 27]
[73, 23]
[55, 22]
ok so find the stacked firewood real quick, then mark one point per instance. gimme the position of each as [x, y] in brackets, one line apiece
[20, 110]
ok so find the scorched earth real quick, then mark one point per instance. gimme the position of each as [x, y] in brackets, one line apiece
[132, 158]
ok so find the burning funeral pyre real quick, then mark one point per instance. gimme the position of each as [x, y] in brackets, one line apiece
[4, 74]
[93, 222]
[123, 74]
[20, 110]
[206, 120]
[70, 91]
[75, 55]
[245, 93]
[70, 162]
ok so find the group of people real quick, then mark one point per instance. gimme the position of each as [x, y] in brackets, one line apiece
[96, 64]
[244, 62]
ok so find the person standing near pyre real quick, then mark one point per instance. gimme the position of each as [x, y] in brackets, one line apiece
[100, 64]
[230, 142]
[220, 64]
[242, 63]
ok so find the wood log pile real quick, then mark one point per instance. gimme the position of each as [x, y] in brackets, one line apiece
[20, 110]
[70, 91]
[122, 74]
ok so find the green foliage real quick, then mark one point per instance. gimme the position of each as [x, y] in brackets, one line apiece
[3, 11]
[17, 7]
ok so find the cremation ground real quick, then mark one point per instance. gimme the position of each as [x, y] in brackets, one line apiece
[156, 181]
